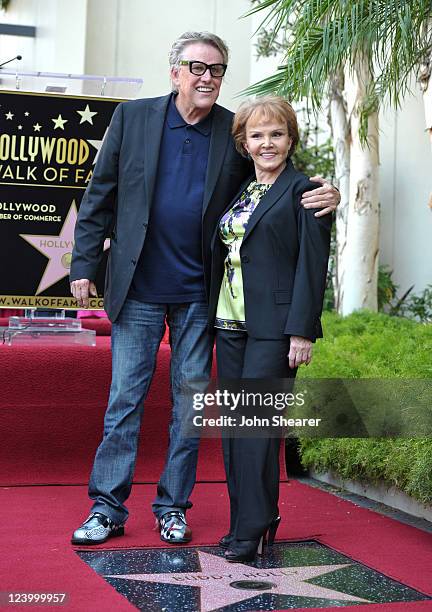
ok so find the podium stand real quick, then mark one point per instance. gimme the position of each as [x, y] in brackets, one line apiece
[98, 91]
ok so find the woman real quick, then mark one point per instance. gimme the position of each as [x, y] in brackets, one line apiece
[270, 259]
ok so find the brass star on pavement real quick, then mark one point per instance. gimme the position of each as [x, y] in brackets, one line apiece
[86, 115]
[59, 122]
[58, 249]
[216, 577]
[9, 115]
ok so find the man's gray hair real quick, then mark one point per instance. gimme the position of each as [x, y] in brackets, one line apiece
[188, 38]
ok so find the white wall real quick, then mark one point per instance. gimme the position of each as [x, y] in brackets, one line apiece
[406, 183]
[20, 12]
[133, 38]
[59, 45]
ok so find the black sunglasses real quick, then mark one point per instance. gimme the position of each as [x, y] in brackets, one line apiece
[199, 68]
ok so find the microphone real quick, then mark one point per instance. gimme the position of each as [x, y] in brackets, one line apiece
[18, 57]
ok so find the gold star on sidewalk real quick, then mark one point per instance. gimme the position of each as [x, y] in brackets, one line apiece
[86, 115]
[37, 127]
[59, 122]
[9, 115]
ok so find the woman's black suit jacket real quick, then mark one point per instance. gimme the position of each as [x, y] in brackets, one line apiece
[284, 258]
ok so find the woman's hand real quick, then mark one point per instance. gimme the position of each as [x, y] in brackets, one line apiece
[300, 351]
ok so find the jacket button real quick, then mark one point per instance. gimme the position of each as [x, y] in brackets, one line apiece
[145, 225]
[133, 261]
[245, 259]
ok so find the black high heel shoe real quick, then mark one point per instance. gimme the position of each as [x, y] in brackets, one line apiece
[226, 540]
[272, 529]
[246, 550]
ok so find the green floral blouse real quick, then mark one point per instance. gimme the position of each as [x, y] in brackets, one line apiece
[232, 227]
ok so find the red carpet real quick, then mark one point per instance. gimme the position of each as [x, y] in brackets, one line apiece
[51, 410]
[52, 405]
[40, 520]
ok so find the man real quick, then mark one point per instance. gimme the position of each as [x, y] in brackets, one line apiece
[166, 171]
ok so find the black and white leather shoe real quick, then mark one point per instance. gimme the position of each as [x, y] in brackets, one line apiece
[173, 528]
[96, 529]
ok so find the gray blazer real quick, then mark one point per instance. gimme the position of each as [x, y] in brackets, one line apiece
[117, 202]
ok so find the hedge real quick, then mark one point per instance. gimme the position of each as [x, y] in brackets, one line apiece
[369, 345]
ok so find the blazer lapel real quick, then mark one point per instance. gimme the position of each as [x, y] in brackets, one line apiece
[221, 129]
[153, 130]
[270, 198]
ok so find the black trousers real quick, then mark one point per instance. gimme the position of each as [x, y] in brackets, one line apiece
[251, 464]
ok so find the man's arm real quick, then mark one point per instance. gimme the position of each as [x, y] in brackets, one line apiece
[326, 197]
[96, 214]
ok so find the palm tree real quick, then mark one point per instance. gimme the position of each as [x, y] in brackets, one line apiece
[368, 48]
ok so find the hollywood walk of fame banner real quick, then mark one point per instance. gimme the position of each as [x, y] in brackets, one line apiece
[49, 144]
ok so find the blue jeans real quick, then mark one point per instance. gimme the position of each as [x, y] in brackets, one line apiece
[136, 336]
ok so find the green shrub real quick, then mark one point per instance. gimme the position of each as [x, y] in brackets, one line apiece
[368, 345]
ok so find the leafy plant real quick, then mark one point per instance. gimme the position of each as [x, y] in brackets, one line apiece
[4, 4]
[329, 297]
[320, 38]
[266, 45]
[420, 306]
[386, 287]
[313, 158]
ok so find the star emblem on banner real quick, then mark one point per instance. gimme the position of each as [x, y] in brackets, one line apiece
[97, 144]
[217, 576]
[86, 115]
[37, 127]
[59, 122]
[58, 250]
[9, 116]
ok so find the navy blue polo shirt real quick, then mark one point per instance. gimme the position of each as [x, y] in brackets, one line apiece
[170, 267]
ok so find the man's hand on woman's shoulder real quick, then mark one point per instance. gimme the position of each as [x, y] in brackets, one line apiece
[326, 197]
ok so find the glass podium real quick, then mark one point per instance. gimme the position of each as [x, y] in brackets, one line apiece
[70, 84]
[54, 329]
